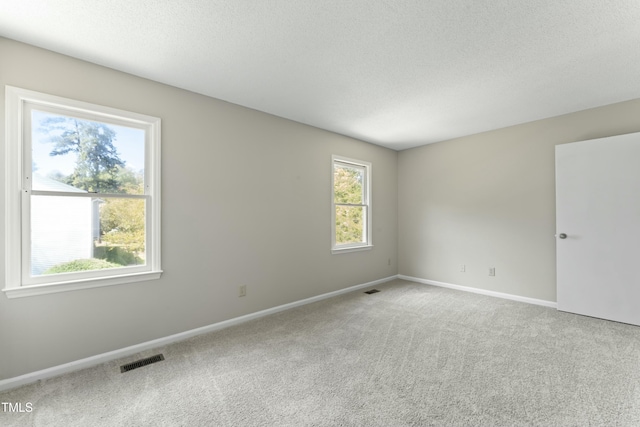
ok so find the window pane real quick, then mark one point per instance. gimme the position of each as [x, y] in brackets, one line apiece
[71, 234]
[348, 184]
[70, 154]
[350, 224]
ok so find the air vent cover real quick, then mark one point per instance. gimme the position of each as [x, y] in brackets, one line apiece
[142, 362]
[372, 291]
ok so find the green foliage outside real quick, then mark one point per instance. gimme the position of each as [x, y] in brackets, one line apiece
[122, 221]
[117, 255]
[348, 189]
[97, 162]
[99, 169]
[80, 265]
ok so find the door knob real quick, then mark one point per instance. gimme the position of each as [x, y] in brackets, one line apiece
[562, 236]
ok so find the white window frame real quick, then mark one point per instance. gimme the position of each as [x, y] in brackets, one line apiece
[359, 246]
[18, 281]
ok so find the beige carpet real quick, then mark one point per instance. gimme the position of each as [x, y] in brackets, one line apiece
[410, 355]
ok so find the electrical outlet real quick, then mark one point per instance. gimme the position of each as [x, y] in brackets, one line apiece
[463, 268]
[389, 263]
[492, 271]
[242, 290]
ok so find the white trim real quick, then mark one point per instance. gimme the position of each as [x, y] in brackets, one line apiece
[13, 186]
[127, 351]
[95, 282]
[345, 250]
[352, 247]
[88, 195]
[512, 297]
[81, 109]
[18, 280]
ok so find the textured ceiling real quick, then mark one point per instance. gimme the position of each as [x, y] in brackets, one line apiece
[395, 73]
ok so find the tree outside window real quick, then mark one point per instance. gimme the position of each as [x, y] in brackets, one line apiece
[91, 157]
[351, 204]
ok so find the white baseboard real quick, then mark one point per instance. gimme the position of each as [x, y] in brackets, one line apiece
[88, 362]
[481, 291]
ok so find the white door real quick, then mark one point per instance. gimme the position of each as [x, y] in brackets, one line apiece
[598, 227]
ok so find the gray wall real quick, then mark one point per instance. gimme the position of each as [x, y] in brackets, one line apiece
[245, 200]
[488, 200]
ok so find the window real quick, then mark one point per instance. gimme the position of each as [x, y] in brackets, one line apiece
[82, 195]
[350, 205]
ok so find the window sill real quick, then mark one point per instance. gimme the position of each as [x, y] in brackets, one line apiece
[336, 251]
[51, 288]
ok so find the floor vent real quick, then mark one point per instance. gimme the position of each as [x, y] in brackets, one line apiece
[142, 362]
[372, 291]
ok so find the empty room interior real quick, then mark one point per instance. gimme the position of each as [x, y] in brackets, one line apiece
[239, 174]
